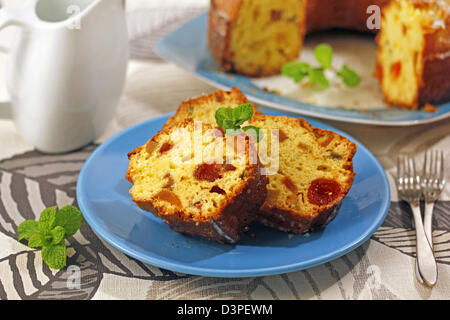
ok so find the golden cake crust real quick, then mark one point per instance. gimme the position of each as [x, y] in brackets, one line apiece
[222, 98]
[289, 221]
[227, 223]
[300, 220]
[233, 218]
[435, 86]
[433, 79]
[345, 14]
[222, 14]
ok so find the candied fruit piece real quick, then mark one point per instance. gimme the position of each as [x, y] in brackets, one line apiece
[170, 197]
[165, 147]
[323, 191]
[216, 189]
[208, 172]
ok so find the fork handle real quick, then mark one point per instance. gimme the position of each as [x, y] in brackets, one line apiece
[424, 253]
[427, 225]
[428, 222]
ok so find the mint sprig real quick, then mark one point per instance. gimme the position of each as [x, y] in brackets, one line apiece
[231, 120]
[324, 55]
[299, 70]
[349, 76]
[50, 232]
[317, 75]
[296, 70]
[254, 132]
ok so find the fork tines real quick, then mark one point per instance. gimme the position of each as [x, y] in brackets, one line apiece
[433, 170]
[408, 181]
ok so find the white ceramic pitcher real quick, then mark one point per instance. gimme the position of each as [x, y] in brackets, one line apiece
[66, 70]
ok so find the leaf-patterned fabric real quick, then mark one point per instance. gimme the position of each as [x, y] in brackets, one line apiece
[382, 268]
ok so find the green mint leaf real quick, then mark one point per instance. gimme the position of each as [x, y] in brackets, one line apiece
[228, 124]
[238, 123]
[36, 241]
[230, 120]
[219, 120]
[55, 255]
[27, 228]
[242, 113]
[349, 76]
[47, 219]
[46, 238]
[70, 219]
[58, 234]
[50, 231]
[296, 70]
[223, 114]
[324, 55]
[233, 131]
[253, 131]
[317, 75]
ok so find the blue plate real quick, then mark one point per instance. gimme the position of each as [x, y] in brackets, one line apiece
[103, 197]
[187, 48]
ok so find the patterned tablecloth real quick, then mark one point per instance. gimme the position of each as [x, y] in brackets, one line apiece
[382, 268]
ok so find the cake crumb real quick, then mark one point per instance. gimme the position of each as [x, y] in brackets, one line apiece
[274, 91]
[278, 92]
[429, 108]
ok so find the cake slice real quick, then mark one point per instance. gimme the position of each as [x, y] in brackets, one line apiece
[413, 58]
[310, 171]
[307, 163]
[204, 108]
[255, 37]
[190, 176]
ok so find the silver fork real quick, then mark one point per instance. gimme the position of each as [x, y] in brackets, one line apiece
[432, 184]
[409, 190]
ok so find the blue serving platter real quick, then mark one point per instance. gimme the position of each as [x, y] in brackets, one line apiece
[103, 197]
[187, 48]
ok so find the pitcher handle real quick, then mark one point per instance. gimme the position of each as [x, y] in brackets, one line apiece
[4, 22]
[20, 16]
[8, 18]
